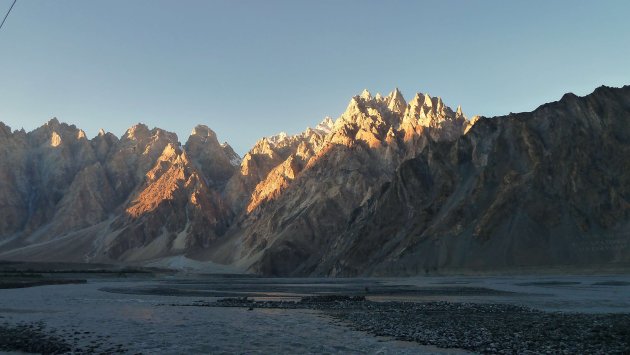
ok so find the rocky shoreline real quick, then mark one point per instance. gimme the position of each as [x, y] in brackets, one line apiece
[484, 328]
[488, 328]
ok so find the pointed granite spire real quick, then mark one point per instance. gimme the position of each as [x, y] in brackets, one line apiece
[137, 132]
[439, 106]
[459, 112]
[414, 108]
[396, 101]
[365, 95]
[417, 101]
[428, 100]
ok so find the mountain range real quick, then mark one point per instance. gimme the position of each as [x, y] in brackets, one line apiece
[388, 188]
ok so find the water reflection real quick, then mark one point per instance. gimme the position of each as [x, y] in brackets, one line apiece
[591, 293]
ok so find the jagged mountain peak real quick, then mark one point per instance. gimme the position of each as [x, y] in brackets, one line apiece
[357, 107]
[53, 122]
[216, 161]
[396, 102]
[425, 106]
[53, 133]
[369, 120]
[418, 100]
[355, 104]
[283, 140]
[141, 134]
[203, 131]
[395, 93]
[137, 132]
[203, 138]
[55, 125]
[277, 138]
[386, 182]
[325, 125]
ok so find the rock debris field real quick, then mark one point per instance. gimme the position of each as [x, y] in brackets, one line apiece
[485, 328]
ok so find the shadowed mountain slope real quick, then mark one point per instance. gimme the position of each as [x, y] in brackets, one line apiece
[389, 188]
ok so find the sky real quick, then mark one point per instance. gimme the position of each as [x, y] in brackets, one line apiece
[249, 69]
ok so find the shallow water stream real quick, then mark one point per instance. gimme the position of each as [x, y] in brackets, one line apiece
[130, 316]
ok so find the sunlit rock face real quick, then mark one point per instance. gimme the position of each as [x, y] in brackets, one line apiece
[143, 196]
[217, 162]
[529, 190]
[307, 186]
[271, 164]
[173, 210]
[110, 199]
[390, 187]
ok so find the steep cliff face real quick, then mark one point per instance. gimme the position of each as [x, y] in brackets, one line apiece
[271, 164]
[215, 161]
[108, 199]
[389, 188]
[543, 189]
[39, 169]
[143, 197]
[15, 191]
[172, 211]
[304, 202]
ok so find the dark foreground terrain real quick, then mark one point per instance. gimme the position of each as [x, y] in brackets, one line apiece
[31, 338]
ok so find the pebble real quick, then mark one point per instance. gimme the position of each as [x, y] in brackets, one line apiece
[485, 328]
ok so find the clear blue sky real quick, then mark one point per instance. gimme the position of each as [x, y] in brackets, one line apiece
[253, 68]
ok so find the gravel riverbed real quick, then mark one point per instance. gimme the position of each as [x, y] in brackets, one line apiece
[439, 315]
[484, 328]
[31, 338]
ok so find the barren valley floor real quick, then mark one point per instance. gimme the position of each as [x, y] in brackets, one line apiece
[178, 313]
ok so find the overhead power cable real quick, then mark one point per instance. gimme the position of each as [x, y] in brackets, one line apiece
[7, 15]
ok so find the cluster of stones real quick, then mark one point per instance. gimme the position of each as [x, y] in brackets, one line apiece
[485, 328]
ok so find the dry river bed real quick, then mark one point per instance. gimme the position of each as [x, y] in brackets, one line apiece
[483, 328]
[177, 314]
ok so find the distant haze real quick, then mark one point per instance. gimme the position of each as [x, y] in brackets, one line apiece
[253, 68]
